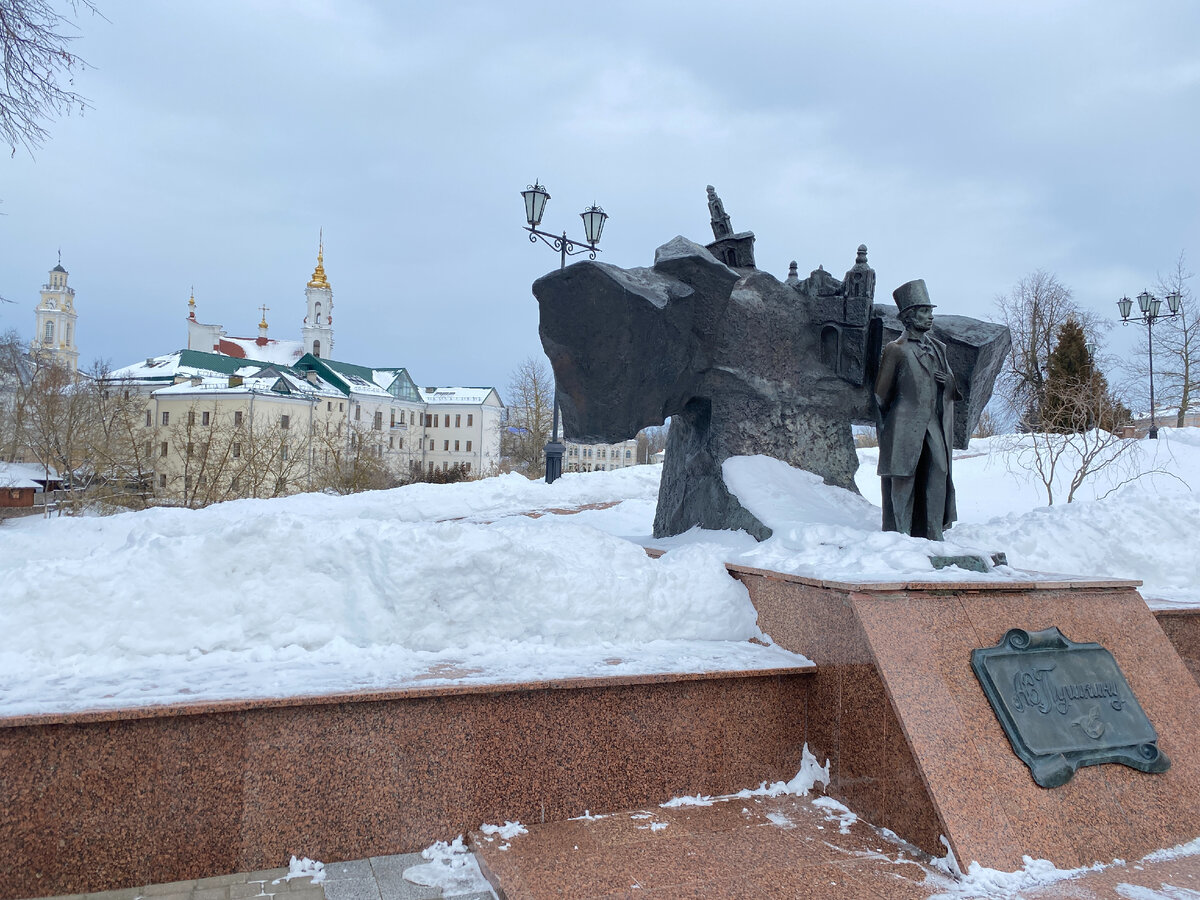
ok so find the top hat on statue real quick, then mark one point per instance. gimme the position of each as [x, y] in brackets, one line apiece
[911, 295]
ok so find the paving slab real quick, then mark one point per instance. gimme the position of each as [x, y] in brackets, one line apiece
[782, 848]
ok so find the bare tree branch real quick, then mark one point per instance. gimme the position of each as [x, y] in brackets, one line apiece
[39, 68]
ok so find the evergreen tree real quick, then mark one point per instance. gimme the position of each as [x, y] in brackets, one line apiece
[1077, 397]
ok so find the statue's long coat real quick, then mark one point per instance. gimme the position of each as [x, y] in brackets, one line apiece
[909, 396]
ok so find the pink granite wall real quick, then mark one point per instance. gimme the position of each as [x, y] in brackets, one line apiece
[99, 801]
[851, 721]
[1182, 628]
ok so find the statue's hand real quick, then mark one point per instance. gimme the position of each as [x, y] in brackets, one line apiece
[942, 378]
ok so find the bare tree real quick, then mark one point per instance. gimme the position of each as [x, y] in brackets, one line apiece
[58, 417]
[530, 415]
[651, 440]
[1066, 457]
[347, 463]
[39, 68]
[1034, 311]
[16, 371]
[1176, 347]
[120, 448]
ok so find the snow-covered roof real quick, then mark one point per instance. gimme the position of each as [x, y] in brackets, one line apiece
[279, 382]
[285, 352]
[188, 363]
[25, 475]
[473, 396]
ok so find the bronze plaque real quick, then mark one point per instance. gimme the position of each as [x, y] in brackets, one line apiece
[1064, 705]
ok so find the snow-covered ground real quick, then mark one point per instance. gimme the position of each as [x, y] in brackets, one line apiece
[312, 593]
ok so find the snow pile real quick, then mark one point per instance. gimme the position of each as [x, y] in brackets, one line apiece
[258, 598]
[810, 775]
[980, 881]
[451, 868]
[304, 868]
[507, 831]
[1132, 520]
[837, 812]
[482, 581]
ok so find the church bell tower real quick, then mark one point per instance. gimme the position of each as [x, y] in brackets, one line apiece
[318, 323]
[54, 332]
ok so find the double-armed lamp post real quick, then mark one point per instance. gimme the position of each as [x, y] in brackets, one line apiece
[1151, 311]
[593, 217]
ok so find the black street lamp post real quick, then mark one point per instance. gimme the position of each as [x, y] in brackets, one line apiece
[1150, 307]
[593, 224]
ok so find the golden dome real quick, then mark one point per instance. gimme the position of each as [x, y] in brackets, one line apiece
[318, 278]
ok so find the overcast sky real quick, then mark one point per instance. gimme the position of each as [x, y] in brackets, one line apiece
[967, 143]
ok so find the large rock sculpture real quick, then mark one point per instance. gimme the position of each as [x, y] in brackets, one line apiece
[741, 363]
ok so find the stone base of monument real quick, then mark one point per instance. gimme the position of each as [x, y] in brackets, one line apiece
[99, 800]
[915, 746]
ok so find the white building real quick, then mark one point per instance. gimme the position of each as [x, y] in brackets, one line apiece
[600, 457]
[461, 427]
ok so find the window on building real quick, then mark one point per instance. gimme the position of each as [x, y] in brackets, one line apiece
[458, 420]
[237, 451]
[285, 421]
[393, 420]
[233, 483]
[445, 445]
[447, 422]
[468, 467]
[162, 450]
[401, 417]
[391, 443]
[187, 482]
[357, 412]
[283, 452]
[401, 444]
[436, 419]
[431, 443]
[49, 332]
[341, 406]
[427, 419]
[237, 418]
[162, 481]
[149, 448]
[445, 466]
[190, 448]
[203, 480]
[328, 406]
[456, 446]
[470, 419]
[149, 419]
[204, 418]
[431, 467]
[166, 418]
[378, 423]
[468, 446]
[191, 417]
[317, 345]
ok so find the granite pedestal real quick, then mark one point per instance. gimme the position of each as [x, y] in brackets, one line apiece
[915, 747]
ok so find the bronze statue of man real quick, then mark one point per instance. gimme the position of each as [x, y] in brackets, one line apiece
[915, 391]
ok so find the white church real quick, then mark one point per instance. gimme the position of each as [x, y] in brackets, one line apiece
[316, 333]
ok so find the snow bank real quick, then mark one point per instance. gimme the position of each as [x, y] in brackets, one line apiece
[313, 593]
